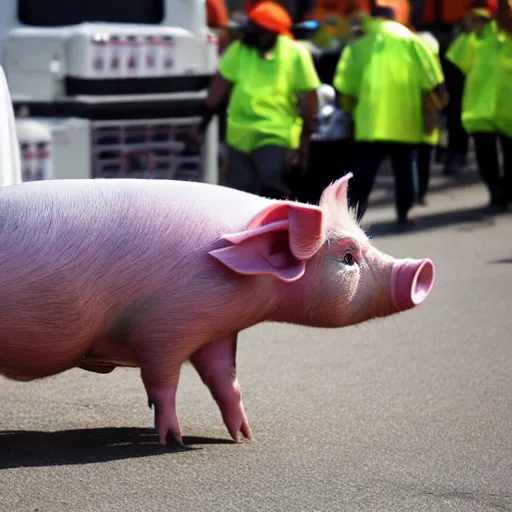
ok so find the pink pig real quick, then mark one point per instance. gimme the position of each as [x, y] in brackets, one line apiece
[152, 273]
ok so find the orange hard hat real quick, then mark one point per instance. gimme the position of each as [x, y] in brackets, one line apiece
[271, 16]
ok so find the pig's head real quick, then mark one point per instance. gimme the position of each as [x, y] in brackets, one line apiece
[327, 272]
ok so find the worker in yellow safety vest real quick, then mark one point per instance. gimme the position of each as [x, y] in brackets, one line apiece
[430, 140]
[392, 80]
[487, 101]
[458, 139]
[265, 74]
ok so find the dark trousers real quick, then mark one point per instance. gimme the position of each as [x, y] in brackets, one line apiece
[423, 165]
[368, 159]
[458, 139]
[261, 172]
[499, 183]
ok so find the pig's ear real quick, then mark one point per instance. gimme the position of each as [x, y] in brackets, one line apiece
[335, 196]
[335, 204]
[303, 222]
[266, 252]
[278, 242]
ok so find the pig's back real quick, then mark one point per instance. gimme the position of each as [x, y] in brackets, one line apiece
[108, 198]
[113, 231]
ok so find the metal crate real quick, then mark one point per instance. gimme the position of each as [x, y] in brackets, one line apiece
[149, 148]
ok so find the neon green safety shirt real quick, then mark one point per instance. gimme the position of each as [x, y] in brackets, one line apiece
[386, 71]
[263, 104]
[460, 52]
[487, 100]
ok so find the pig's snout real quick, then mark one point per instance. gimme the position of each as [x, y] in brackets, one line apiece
[411, 282]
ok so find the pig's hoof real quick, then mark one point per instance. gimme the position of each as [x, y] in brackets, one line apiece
[236, 421]
[173, 444]
[170, 436]
[166, 421]
[168, 430]
[243, 429]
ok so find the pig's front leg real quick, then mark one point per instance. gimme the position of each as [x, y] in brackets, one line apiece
[216, 365]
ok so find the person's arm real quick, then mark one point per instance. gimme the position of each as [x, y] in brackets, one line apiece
[218, 92]
[441, 96]
[221, 85]
[306, 82]
[309, 111]
[432, 83]
[431, 75]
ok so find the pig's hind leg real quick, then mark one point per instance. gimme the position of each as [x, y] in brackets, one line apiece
[159, 344]
[216, 365]
[166, 420]
[159, 352]
[160, 373]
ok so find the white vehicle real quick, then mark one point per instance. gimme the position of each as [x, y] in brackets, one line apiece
[10, 168]
[110, 88]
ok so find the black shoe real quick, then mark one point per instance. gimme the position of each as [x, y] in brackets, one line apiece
[404, 223]
[455, 165]
[451, 170]
[496, 205]
[494, 209]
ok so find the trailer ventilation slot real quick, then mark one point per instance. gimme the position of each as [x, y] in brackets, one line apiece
[157, 149]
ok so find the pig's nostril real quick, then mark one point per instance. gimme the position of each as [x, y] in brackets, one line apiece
[423, 282]
[412, 281]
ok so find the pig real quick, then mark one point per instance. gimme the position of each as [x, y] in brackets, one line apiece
[151, 274]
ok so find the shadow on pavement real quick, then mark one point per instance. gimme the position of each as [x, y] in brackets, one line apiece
[503, 261]
[28, 448]
[386, 182]
[473, 215]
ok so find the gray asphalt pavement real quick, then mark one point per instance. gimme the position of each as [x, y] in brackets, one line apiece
[408, 413]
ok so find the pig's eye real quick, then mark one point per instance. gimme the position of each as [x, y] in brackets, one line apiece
[349, 259]
[346, 251]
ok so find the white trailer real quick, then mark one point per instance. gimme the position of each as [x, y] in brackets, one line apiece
[110, 88]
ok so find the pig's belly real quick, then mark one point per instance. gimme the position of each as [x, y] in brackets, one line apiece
[45, 327]
[44, 330]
